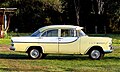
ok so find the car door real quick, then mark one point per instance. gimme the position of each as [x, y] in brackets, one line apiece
[49, 41]
[68, 41]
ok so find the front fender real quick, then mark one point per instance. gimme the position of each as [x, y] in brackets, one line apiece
[94, 47]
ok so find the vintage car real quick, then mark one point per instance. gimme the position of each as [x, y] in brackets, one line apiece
[62, 39]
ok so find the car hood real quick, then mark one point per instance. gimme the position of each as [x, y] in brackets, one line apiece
[100, 38]
[97, 39]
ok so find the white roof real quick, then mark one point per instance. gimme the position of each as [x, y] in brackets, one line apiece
[61, 27]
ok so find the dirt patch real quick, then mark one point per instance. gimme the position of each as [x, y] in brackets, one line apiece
[115, 47]
[4, 47]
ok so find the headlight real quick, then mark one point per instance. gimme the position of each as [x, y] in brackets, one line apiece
[110, 45]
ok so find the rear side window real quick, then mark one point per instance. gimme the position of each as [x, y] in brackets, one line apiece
[68, 33]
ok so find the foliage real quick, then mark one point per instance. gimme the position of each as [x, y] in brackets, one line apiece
[55, 4]
[112, 9]
[33, 14]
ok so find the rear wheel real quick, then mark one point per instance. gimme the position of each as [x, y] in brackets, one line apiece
[35, 53]
[96, 54]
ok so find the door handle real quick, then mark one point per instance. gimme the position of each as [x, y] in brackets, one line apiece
[60, 38]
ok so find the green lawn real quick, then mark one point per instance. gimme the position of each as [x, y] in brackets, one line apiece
[15, 61]
[5, 41]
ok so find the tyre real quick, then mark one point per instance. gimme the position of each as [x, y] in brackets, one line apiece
[44, 55]
[96, 54]
[35, 53]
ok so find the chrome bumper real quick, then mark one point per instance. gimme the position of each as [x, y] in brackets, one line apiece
[12, 48]
[108, 51]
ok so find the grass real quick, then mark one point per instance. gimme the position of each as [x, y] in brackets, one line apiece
[15, 61]
[5, 41]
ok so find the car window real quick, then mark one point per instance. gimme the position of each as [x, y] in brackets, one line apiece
[50, 33]
[82, 33]
[36, 34]
[68, 33]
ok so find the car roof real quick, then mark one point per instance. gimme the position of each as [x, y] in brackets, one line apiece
[61, 27]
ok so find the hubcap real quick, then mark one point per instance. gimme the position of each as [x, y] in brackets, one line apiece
[95, 54]
[34, 53]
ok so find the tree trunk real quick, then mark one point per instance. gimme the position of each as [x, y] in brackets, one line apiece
[77, 10]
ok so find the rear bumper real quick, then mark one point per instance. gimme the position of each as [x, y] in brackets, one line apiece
[12, 48]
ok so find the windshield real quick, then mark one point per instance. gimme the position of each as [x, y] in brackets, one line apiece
[82, 33]
[36, 34]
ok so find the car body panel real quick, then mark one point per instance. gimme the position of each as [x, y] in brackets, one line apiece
[89, 42]
[69, 45]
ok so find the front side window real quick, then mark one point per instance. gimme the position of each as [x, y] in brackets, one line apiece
[50, 33]
[82, 33]
[68, 33]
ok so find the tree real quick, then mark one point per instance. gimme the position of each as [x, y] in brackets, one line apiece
[69, 14]
[53, 10]
[77, 10]
[112, 10]
[33, 14]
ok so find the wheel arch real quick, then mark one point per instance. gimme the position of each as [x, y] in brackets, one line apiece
[95, 47]
[36, 47]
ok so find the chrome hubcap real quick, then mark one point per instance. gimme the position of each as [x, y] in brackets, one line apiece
[95, 54]
[34, 53]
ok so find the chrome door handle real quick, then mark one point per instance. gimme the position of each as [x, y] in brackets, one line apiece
[60, 38]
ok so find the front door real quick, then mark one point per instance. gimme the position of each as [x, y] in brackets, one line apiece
[49, 40]
[68, 41]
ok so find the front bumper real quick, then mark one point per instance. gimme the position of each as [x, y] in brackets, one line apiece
[109, 51]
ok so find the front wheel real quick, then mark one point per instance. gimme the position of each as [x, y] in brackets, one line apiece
[96, 54]
[35, 54]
